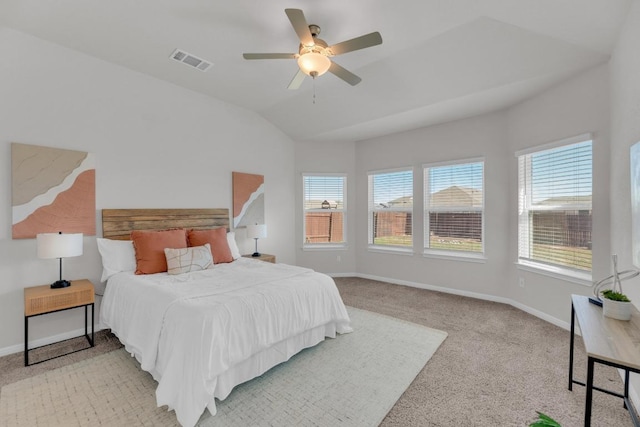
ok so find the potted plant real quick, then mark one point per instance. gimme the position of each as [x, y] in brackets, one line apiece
[616, 305]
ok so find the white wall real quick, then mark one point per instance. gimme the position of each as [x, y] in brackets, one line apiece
[574, 107]
[327, 157]
[577, 106]
[157, 146]
[482, 136]
[625, 131]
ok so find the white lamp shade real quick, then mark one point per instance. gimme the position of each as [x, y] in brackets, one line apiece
[55, 245]
[257, 231]
[314, 62]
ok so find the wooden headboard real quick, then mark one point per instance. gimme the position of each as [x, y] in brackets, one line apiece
[117, 224]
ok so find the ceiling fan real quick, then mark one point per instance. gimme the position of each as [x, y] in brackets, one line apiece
[314, 55]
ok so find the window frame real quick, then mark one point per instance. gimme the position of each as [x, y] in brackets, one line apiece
[325, 245]
[444, 253]
[560, 271]
[371, 209]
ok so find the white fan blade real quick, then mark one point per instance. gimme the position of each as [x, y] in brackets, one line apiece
[268, 55]
[297, 80]
[300, 26]
[344, 74]
[368, 40]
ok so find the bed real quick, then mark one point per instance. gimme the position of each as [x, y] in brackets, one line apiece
[203, 332]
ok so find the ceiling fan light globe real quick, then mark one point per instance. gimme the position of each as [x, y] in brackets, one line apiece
[314, 64]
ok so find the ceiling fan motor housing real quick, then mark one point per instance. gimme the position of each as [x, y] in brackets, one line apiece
[314, 30]
[320, 47]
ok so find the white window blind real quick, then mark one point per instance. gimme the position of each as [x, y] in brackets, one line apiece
[555, 191]
[391, 208]
[324, 199]
[454, 207]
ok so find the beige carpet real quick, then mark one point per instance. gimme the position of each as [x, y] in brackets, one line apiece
[497, 366]
[352, 380]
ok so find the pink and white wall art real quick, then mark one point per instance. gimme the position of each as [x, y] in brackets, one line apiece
[248, 199]
[52, 190]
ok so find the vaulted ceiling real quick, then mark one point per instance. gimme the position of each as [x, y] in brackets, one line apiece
[440, 60]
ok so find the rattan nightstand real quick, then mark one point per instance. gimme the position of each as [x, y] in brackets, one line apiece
[262, 257]
[39, 300]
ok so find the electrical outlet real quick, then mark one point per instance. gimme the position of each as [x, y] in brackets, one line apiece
[339, 258]
[521, 282]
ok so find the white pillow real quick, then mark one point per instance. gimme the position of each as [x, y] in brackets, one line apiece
[117, 256]
[231, 240]
[184, 260]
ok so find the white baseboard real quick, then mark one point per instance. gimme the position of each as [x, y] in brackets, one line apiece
[633, 395]
[343, 274]
[19, 348]
[544, 316]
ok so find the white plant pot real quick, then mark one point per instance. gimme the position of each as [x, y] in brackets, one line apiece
[620, 310]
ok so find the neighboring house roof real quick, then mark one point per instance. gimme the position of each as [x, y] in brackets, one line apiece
[450, 196]
[565, 200]
[457, 196]
[401, 202]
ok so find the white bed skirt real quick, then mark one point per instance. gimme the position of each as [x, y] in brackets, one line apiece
[267, 359]
[261, 362]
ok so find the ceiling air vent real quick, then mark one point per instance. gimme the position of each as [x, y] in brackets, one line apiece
[190, 60]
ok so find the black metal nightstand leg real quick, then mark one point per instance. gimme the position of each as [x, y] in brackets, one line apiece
[26, 341]
[91, 339]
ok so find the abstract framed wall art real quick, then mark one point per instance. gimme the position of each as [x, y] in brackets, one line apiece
[635, 203]
[52, 190]
[248, 199]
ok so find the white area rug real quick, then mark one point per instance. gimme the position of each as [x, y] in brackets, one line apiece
[352, 380]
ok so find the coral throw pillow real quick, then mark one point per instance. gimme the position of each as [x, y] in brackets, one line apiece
[217, 238]
[150, 245]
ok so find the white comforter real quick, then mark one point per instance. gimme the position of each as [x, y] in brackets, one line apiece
[189, 329]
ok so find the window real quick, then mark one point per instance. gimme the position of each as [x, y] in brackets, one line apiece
[454, 207]
[555, 206]
[324, 209]
[391, 208]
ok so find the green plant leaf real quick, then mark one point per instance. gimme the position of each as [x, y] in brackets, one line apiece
[544, 421]
[615, 296]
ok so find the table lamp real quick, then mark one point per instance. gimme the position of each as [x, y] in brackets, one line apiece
[58, 245]
[256, 232]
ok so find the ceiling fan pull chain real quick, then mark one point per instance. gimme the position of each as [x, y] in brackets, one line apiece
[314, 90]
